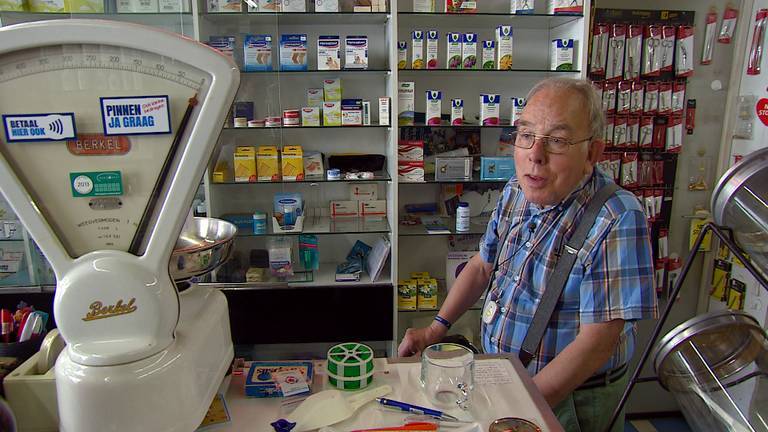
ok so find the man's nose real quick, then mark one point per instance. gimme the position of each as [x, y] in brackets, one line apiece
[537, 154]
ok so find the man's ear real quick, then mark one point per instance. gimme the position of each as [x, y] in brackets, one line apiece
[595, 150]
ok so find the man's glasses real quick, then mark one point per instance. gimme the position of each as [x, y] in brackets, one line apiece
[552, 144]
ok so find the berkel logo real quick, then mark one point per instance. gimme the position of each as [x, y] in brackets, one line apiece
[99, 311]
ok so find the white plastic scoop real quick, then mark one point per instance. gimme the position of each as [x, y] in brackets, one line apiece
[332, 406]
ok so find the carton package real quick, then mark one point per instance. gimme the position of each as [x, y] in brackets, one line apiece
[344, 209]
[13, 5]
[366, 113]
[332, 89]
[245, 164]
[518, 104]
[332, 113]
[454, 263]
[402, 54]
[220, 172]
[313, 164]
[504, 47]
[427, 294]
[310, 116]
[434, 107]
[356, 52]
[384, 111]
[406, 294]
[243, 109]
[260, 381]
[85, 6]
[410, 150]
[292, 162]
[565, 6]
[454, 50]
[326, 5]
[293, 52]
[489, 109]
[469, 51]
[562, 55]
[351, 112]
[453, 168]
[419, 275]
[457, 112]
[328, 53]
[269, 6]
[363, 192]
[169, 6]
[220, 6]
[405, 103]
[424, 6]
[417, 49]
[522, 7]
[432, 48]
[315, 97]
[267, 164]
[293, 6]
[496, 168]
[460, 6]
[410, 171]
[489, 54]
[372, 208]
[225, 45]
[257, 53]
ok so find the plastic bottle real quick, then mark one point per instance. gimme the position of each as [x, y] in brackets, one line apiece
[462, 217]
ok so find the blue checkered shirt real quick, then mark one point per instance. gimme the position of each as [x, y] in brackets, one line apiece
[611, 279]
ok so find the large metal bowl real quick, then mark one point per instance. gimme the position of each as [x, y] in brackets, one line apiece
[204, 244]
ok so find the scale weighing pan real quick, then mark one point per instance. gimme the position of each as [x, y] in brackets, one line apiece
[107, 129]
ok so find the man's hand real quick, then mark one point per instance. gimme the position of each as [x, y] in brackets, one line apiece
[415, 340]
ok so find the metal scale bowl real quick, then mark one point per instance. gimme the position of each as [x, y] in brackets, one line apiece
[204, 244]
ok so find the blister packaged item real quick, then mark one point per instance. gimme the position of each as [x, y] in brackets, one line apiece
[684, 52]
[598, 87]
[432, 52]
[710, 30]
[434, 107]
[457, 112]
[504, 47]
[468, 51]
[633, 130]
[634, 49]
[659, 282]
[758, 42]
[609, 97]
[328, 52]
[489, 54]
[280, 259]
[678, 97]
[624, 100]
[652, 51]
[615, 68]
[453, 50]
[658, 171]
[620, 131]
[659, 131]
[402, 54]
[489, 109]
[608, 131]
[667, 48]
[417, 49]
[665, 98]
[616, 166]
[663, 249]
[674, 142]
[651, 102]
[644, 175]
[636, 98]
[690, 116]
[646, 132]
[599, 49]
[728, 25]
[517, 110]
[356, 52]
[293, 52]
[629, 170]
[605, 164]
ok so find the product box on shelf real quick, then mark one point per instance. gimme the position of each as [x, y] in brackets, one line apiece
[266, 6]
[332, 113]
[489, 54]
[460, 6]
[356, 52]
[434, 107]
[220, 172]
[362, 5]
[315, 97]
[372, 208]
[522, 7]
[427, 294]
[366, 113]
[293, 6]
[454, 263]
[257, 53]
[410, 171]
[267, 163]
[402, 54]
[243, 109]
[245, 164]
[424, 6]
[292, 163]
[293, 52]
[328, 52]
[406, 294]
[351, 112]
[457, 112]
[313, 165]
[384, 111]
[469, 51]
[518, 104]
[222, 6]
[405, 103]
[562, 55]
[123, 6]
[432, 48]
[496, 168]
[326, 5]
[504, 47]
[565, 6]
[170, 6]
[225, 45]
[310, 116]
[453, 168]
[332, 89]
[363, 192]
[410, 150]
[453, 50]
[344, 209]
[13, 5]
[489, 109]
[417, 49]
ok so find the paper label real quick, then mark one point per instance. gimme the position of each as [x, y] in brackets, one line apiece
[141, 115]
[39, 127]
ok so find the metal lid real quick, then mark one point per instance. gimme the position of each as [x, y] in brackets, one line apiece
[735, 178]
[725, 340]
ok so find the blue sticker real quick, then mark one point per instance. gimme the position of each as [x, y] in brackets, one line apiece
[39, 127]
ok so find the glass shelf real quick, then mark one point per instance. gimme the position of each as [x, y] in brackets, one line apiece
[318, 72]
[379, 176]
[11, 240]
[430, 179]
[442, 293]
[324, 225]
[464, 126]
[324, 277]
[164, 20]
[262, 129]
[485, 20]
[477, 225]
[299, 18]
[483, 71]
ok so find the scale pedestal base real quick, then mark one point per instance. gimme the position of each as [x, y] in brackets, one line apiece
[167, 392]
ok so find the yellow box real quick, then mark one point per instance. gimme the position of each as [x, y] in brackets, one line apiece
[13, 5]
[419, 275]
[406, 294]
[268, 166]
[221, 172]
[292, 163]
[427, 297]
[245, 164]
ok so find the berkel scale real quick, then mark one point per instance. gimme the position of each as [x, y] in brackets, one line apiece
[107, 130]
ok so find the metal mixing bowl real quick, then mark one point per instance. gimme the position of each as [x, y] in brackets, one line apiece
[204, 244]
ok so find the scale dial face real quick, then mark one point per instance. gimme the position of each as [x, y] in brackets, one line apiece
[93, 189]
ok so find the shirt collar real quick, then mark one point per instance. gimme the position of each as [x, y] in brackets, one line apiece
[578, 192]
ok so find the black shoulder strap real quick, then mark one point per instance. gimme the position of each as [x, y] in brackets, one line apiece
[560, 274]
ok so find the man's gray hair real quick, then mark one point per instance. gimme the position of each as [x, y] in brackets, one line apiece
[589, 97]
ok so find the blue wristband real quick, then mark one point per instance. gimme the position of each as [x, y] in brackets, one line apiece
[443, 321]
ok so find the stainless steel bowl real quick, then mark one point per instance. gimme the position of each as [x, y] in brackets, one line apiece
[204, 244]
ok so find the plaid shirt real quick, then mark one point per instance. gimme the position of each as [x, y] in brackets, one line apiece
[611, 279]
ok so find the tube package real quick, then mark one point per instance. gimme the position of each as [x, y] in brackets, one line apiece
[728, 25]
[615, 66]
[651, 51]
[599, 49]
[758, 41]
[634, 48]
[709, 38]
[684, 57]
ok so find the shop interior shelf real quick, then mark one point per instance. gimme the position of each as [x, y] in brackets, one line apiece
[531, 21]
[325, 276]
[430, 179]
[406, 72]
[324, 225]
[262, 129]
[379, 176]
[442, 293]
[11, 240]
[463, 126]
[299, 18]
[318, 72]
[477, 225]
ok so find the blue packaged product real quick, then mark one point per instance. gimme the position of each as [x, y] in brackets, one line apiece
[496, 168]
[243, 221]
[243, 109]
[257, 53]
[288, 208]
[225, 44]
[260, 381]
[308, 252]
[293, 52]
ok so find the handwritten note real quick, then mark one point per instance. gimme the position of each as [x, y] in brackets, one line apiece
[492, 372]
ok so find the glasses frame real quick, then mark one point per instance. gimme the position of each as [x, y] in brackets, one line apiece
[546, 138]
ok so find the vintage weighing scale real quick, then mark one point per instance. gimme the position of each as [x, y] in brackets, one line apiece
[106, 130]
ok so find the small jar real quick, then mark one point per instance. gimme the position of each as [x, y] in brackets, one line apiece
[291, 117]
[241, 122]
[462, 217]
[273, 121]
[259, 223]
[256, 123]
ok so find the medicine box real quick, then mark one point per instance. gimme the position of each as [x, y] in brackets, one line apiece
[432, 48]
[168, 6]
[243, 221]
[522, 7]
[332, 89]
[562, 54]
[351, 112]
[454, 50]
[225, 45]
[405, 103]
[410, 171]
[259, 381]
[310, 116]
[406, 294]
[427, 294]
[419, 275]
[223, 6]
[417, 49]
[496, 168]
[454, 263]
[384, 111]
[85, 6]
[356, 52]
[265, 6]
[328, 53]
[293, 52]
[315, 97]
[13, 5]
[489, 54]
[427, 6]
[220, 172]
[292, 163]
[257, 53]
[243, 109]
[344, 209]
[267, 163]
[489, 109]
[326, 5]
[376, 208]
[245, 164]
[313, 164]
[402, 54]
[434, 107]
[332, 113]
[410, 150]
[294, 6]
[363, 192]
[504, 47]
[454, 168]
[123, 6]
[457, 112]
[469, 51]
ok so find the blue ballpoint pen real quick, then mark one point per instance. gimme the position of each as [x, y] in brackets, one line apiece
[415, 409]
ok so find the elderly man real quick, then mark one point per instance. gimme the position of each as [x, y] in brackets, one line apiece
[580, 364]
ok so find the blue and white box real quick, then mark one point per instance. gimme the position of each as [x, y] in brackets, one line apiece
[356, 52]
[257, 53]
[522, 6]
[496, 167]
[328, 52]
[293, 52]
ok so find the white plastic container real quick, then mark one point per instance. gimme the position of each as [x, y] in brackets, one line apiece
[462, 217]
